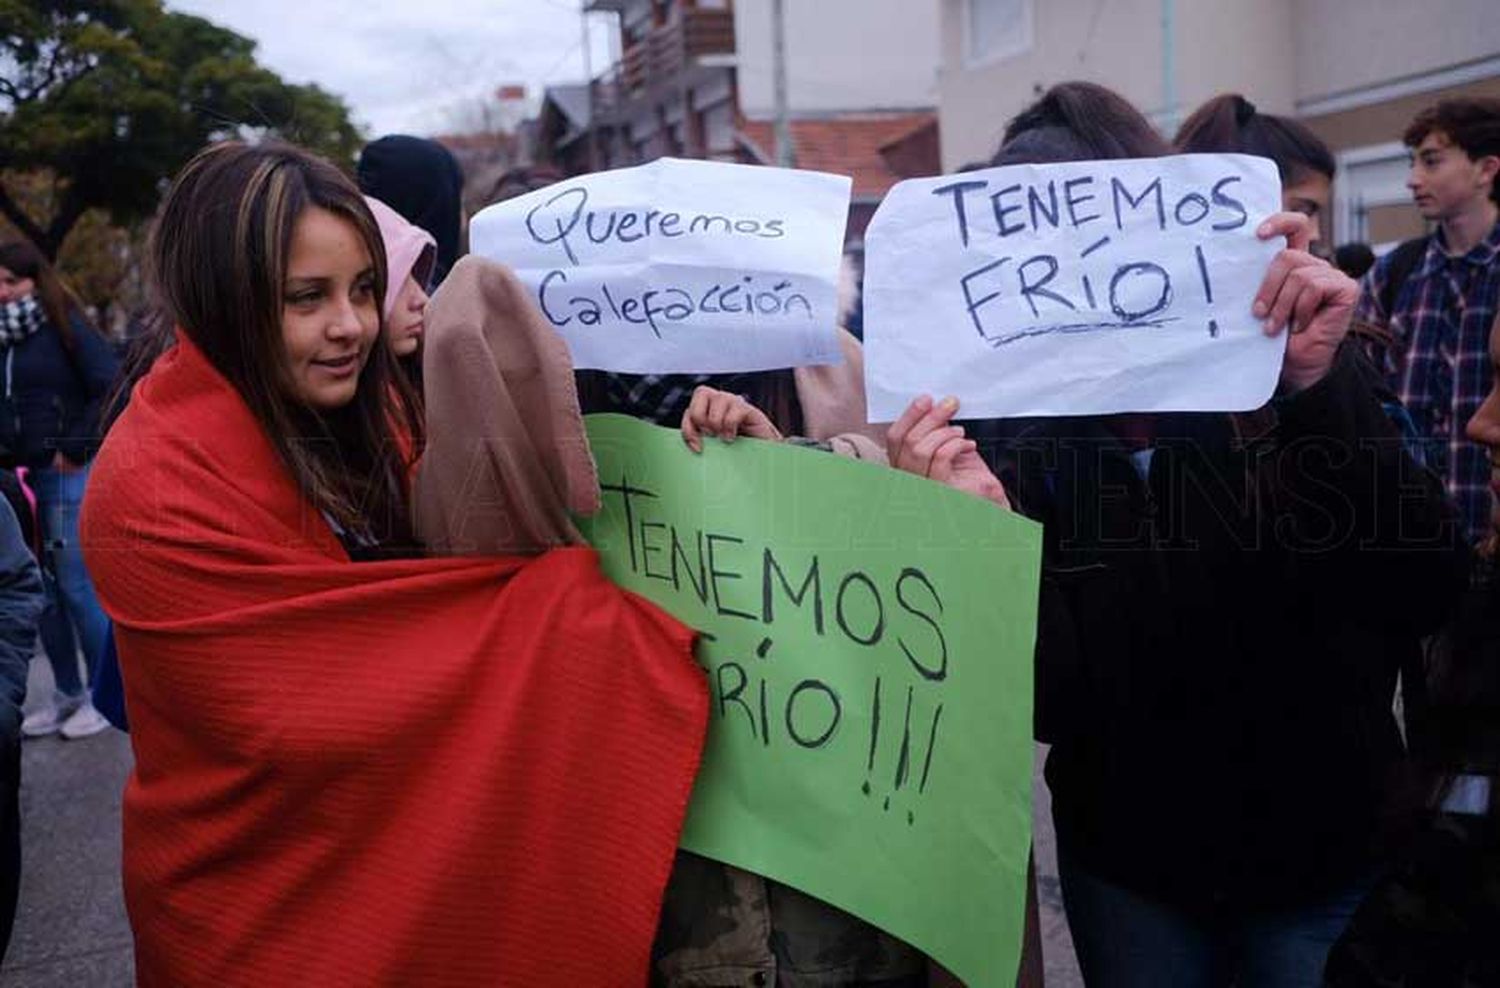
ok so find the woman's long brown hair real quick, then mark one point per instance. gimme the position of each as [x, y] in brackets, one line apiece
[219, 255]
[1231, 123]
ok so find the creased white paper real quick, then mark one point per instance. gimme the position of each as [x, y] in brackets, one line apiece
[681, 266]
[1073, 289]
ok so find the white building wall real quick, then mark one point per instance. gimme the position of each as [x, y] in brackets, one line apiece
[1344, 46]
[842, 55]
[1218, 46]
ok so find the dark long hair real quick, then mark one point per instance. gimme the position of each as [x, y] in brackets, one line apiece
[1231, 123]
[219, 254]
[1078, 121]
[21, 258]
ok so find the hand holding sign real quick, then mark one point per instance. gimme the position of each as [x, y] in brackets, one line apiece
[724, 415]
[924, 441]
[1308, 294]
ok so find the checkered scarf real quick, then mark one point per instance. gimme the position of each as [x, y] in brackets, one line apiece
[663, 398]
[20, 319]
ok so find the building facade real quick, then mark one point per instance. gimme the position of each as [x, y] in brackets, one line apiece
[672, 90]
[1354, 70]
[695, 79]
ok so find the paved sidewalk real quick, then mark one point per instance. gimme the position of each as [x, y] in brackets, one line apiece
[70, 924]
[1057, 942]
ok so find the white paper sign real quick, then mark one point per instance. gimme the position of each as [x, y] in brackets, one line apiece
[681, 266]
[1073, 289]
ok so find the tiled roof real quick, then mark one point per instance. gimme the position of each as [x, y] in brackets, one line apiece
[848, 145]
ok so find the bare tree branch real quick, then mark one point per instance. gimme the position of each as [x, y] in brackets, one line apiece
[73, 208]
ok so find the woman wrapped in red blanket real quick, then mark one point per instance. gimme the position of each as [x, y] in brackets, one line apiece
[355, 765]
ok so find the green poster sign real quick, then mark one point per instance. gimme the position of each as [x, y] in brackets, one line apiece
[868, 640]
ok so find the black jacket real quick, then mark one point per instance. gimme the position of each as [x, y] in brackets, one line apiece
[1432, 918]
[1219, 639]
[21, 602]
[50, 396]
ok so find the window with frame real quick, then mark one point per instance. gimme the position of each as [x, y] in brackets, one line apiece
[996, 29]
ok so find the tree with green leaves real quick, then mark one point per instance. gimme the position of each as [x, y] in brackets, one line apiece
[109, 98]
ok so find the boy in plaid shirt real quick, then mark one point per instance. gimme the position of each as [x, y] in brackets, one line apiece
[1441, 311]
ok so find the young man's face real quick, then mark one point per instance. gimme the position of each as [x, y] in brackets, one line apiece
[1445, 181]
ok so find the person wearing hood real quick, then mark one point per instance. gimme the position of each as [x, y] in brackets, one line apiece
[410, 253]
[421, 180]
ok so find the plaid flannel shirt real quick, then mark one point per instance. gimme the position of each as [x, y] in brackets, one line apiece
[1439, 360]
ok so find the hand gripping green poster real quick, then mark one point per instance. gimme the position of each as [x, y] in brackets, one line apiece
[868, 640]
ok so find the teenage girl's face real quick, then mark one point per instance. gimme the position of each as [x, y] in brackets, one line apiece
[1309, 195]
[1484, 428]
[13, 287]
[405, 325]
[330, 317]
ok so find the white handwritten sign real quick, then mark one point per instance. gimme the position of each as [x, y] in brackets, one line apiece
[1073, 289]
[681, 266]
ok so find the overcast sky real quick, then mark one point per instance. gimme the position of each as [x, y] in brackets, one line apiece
[413, 67]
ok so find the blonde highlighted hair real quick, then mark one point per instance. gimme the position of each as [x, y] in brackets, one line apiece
[219, 255]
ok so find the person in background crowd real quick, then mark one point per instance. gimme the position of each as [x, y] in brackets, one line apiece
[1436, 296]
[1431, 921]
[410, 253]
[521, 180]
[355, 765]
[1354, 259]
[851, 297]
[1224, 598]
[1231, 124]
[421, 180]
[21, 601]
[57, 371]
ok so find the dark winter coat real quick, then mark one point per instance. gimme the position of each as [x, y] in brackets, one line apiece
[51, 395]
[1220, 636]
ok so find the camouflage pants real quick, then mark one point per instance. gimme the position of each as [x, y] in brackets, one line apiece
[721, 926]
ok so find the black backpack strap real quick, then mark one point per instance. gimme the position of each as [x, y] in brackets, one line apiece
[1405, 258]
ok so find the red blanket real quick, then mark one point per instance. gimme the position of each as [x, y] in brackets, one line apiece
[427, 772]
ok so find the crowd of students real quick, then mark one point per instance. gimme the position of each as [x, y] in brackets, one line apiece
[348, 703]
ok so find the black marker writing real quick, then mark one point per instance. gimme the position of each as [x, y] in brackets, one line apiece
[1120, 192]
[754, 688]
[556, 220]
[1221, 199]
[656, 307]
[961, 214]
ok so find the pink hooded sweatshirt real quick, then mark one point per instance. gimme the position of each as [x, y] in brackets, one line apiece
[409, 250]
